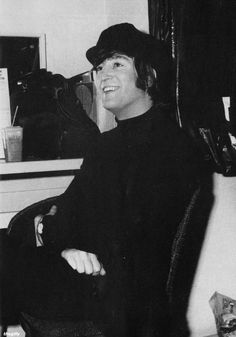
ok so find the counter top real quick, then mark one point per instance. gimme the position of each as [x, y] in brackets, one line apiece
[40, 166]
[24, 183]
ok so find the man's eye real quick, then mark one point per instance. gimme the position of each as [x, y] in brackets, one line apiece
[98, 68]
[117, 65]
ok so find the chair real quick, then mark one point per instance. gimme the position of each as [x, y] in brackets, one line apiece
[21, 230]
[185, 252]
[21, 233]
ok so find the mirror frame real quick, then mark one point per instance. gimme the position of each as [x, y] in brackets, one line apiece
[42, 45]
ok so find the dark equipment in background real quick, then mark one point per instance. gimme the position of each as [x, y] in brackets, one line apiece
[20, 55]
[201, 37]
[56, 115]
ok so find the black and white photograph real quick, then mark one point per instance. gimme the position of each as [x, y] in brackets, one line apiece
[117, 168]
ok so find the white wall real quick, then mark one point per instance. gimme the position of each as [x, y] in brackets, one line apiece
[133, 11]
[217, 266]
[71, 27]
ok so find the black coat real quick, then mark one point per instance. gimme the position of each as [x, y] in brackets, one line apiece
[125, 205]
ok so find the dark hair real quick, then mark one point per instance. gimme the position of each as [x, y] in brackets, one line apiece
[147, 78]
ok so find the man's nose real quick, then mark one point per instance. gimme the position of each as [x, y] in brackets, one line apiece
[107, 71]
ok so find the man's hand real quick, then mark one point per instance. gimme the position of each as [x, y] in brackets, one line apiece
[83, 262]
[38, 225]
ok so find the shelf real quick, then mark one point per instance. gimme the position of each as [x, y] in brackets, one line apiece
[40, 166]
[24, 183]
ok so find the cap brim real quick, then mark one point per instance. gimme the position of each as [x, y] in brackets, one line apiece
[90, 54]
[97, 55]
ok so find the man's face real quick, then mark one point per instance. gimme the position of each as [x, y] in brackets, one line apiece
[116, 82]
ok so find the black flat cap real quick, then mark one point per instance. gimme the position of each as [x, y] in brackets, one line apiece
[127, 39]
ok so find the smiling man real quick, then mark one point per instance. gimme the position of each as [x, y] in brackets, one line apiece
[116, 80]
[113, 232]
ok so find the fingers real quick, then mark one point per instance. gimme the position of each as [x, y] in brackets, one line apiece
[71, 262]
[102, 272]
[52, 210]
[38, 219]
[38, 225]
[38, 228]
[97, 266]
[83, 262]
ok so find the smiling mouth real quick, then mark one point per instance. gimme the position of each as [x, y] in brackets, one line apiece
[109, 89]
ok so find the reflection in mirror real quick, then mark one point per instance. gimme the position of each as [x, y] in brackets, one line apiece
[20, 55]
[58, 115]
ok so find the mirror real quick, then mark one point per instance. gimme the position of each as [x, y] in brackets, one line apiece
[21, 55]
[58, 115]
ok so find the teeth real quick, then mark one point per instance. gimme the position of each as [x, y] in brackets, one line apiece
[108, 89]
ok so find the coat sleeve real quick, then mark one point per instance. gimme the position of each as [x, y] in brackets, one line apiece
[71, 226]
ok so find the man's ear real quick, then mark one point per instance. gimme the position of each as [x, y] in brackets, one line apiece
[151, 77]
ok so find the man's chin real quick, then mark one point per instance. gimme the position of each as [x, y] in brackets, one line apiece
[111, 110]
[110, 107]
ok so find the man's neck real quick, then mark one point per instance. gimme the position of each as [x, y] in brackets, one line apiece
[135, 110]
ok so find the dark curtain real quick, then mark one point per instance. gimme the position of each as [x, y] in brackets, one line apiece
[201, 37]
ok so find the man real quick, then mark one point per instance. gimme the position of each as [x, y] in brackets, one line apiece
[108, 240]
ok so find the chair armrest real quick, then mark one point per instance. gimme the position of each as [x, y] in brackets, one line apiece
[21, 228]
